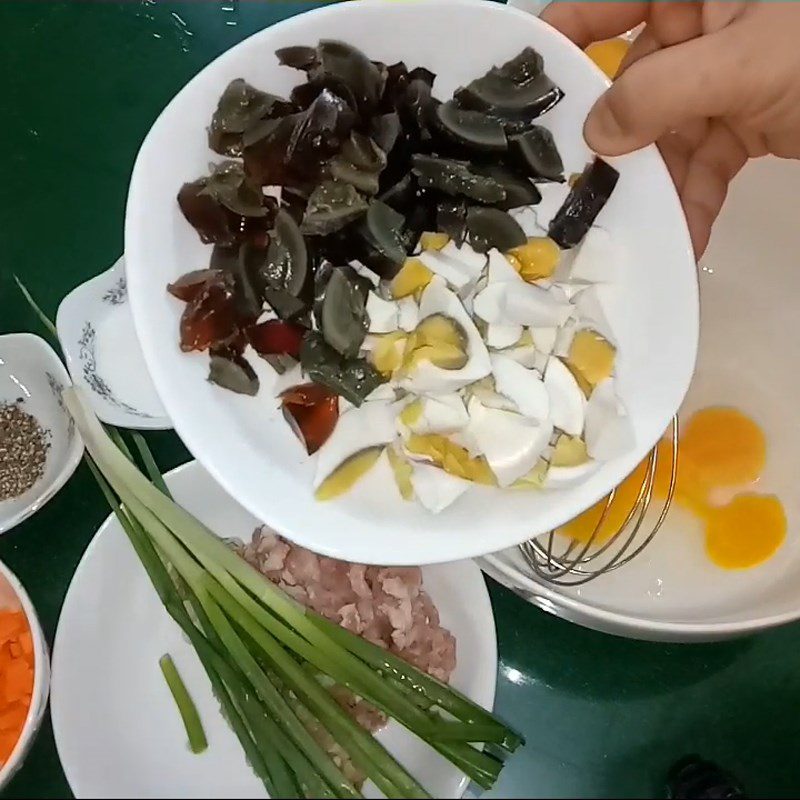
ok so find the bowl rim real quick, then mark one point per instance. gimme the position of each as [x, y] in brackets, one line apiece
[622, 624]
[41, 678]
[74, 451]
[193, 434]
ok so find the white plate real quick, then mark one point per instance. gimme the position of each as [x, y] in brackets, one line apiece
[245, 443]
[749, 353]
[32, 375]
[116, 727]
[96, 332]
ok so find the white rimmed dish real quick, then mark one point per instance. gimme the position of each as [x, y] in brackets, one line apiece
[116, 727]
[245, 443]
[32, 375]
[103, 356]
[13, 596]
[747, 358]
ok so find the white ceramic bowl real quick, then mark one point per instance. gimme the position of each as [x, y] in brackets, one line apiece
[12, 595]
[244, 442]
[32, 374]
[672, 592]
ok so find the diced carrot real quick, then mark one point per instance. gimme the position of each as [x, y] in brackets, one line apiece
[26, 642]
[13, 717]
[16, 678]
[12, 623]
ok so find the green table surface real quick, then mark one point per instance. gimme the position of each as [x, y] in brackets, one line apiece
[81, 83]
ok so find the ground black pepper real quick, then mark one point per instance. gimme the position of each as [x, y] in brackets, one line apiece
[23, 451]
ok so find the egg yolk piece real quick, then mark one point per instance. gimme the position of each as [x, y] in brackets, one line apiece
[626, 496]
[720, 447]
[608, 55]
[746, 532]
[451, 458]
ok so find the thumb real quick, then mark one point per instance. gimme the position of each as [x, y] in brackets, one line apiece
[661, 91]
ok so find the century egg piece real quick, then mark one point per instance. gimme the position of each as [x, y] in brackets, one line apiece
[515, 93]
[586, 199]
[210, 318]
[312, 412]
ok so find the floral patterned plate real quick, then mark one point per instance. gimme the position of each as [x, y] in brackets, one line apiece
[103, 357]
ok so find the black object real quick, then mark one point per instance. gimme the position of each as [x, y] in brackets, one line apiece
[584, 202]
[692, 778]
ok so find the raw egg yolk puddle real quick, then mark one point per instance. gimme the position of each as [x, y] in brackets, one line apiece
[746, 532]
[719, 448]
[581, 528]
[608, 55]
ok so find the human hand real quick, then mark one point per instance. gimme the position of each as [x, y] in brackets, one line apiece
[712, 83]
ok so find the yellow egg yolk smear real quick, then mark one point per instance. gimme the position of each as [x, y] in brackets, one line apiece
[719, 448]
[608, 55]
[746, 532]
[582, 528]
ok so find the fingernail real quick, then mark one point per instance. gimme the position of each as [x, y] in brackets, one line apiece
[602, 131]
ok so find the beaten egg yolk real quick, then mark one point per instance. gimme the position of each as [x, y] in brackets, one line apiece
[719, 448]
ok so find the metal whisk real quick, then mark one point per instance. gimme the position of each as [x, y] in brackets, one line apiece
[566, 562]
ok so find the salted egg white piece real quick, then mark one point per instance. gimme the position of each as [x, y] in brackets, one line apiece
[521, 304]
[590, 308]
[383, 392]
[510, 443]
[524, 387]
[598, 258]
[570, 290]
[436, 489]
[442, 414]
[407, 314]
[609, 431]
[500, 269]
[544, 339]
[459, 266]
[490, 398]
[567, 401]
[451, 271]
[553, 197]
[427, 378]
[471, 260]
[370, 425]
[526, 218]
[383, 314]
[524, 354]
[500, 336]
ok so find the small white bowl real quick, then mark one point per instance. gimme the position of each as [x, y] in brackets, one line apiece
[244, 442]
[12, 594]
[96, 330]
[33, 375]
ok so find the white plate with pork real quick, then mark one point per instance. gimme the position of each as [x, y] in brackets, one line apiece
[116, 727]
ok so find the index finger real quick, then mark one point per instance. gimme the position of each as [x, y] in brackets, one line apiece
[587, 22]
